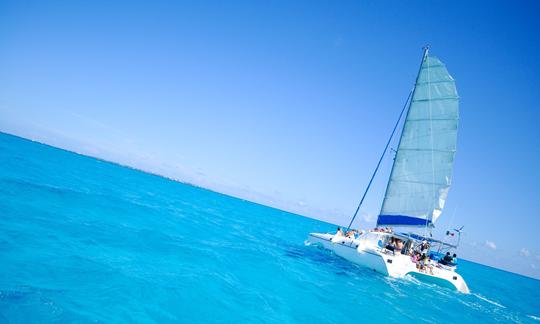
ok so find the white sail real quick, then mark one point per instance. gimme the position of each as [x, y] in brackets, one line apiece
[422, 170]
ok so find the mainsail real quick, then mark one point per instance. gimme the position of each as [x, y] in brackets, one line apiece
[422, 170]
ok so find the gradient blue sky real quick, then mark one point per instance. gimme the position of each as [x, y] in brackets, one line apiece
[287, 103]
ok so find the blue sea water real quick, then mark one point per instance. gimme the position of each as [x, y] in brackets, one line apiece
[83, 240]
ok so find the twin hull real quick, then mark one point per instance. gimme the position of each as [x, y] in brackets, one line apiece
[397, 266]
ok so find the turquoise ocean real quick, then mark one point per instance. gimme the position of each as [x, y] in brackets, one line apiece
[83, 240]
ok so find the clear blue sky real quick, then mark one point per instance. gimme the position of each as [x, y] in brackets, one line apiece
[287, 103]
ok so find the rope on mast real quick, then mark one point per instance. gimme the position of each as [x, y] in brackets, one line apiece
[380, 159]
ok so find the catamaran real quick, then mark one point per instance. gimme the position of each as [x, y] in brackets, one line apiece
[416, 191]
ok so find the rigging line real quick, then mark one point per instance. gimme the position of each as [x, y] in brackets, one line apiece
[381, 158]
[413, 95]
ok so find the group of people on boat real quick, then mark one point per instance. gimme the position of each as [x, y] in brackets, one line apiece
[354, 233]
[351, 234]
[449, 260]
[383, 230]
[395, 245]
[426, 261]
[420, 256]
[419, 253]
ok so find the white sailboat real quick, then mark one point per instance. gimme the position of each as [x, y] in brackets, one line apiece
[416, 191]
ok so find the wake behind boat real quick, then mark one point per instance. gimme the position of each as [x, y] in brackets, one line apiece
[416, 191]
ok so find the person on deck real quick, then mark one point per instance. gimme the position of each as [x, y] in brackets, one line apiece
[399, 245]
[421, 265]
[415, 258]
[447, 259]
[338, 237]
[424, 248]
[429, 265]
[391, 246]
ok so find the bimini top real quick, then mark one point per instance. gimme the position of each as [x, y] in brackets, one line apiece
[422, 170]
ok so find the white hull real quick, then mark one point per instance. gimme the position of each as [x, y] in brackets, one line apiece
[398, 266]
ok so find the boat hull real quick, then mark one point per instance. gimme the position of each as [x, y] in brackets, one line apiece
[397, 266]
[347, 249]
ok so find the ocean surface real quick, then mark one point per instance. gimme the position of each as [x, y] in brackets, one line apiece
[83, 240]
